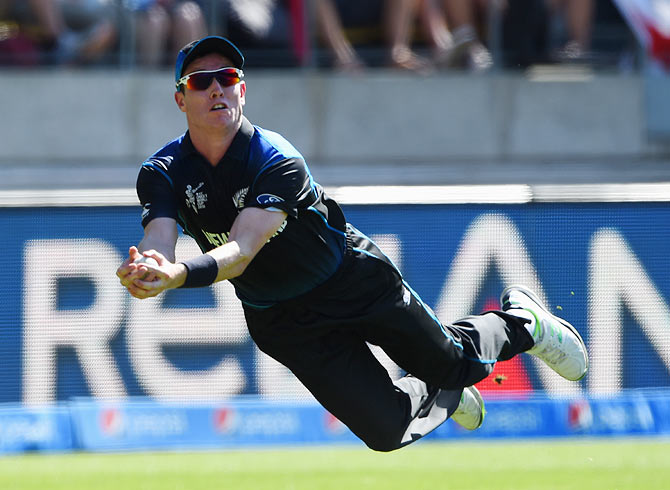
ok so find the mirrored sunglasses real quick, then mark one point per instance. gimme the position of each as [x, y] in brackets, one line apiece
[201, 80]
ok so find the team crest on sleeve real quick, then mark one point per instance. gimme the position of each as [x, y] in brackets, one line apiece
[239, 196]
[268, 199]
[195, 199]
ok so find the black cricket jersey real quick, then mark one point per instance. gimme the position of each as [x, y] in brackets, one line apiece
[260, 169]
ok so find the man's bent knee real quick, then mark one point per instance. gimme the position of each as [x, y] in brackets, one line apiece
[384, 442]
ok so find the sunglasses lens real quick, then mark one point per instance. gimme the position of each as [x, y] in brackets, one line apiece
[199, 81]
[202, 81]
[228, 79]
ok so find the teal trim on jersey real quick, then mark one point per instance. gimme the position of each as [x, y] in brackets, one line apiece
[153, 166]
[365, 252]
[325, 221]
[481, 361]
[258, 307]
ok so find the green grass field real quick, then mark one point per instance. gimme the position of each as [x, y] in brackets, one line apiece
[601, 464]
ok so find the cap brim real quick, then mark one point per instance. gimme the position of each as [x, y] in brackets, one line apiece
[207, 45]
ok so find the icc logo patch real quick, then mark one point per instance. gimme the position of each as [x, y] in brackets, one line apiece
[195, 198]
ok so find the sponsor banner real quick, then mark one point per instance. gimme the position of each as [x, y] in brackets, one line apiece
[528, 418]
[151, 425]
[35, 429]
[660, 409]
[633, 413]
[148, 425]
[68, 328]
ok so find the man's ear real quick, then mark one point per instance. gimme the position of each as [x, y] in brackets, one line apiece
[179, 99]
[243, 91]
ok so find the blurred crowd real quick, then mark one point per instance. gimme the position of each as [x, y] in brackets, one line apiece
[346, 35]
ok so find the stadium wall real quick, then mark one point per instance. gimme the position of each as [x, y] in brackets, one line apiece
[93, 117]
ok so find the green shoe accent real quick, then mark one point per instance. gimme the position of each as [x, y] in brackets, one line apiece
[557, 342]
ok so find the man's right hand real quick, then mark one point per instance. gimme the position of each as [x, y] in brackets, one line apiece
[148, 278]
[129, 270]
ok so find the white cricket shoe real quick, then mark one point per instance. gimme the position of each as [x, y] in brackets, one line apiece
[470, 412]
[557, 342]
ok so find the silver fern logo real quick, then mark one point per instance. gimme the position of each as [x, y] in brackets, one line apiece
[238, 198]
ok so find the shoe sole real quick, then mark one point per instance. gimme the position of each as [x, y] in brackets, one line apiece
[539, 303]
[480, 400]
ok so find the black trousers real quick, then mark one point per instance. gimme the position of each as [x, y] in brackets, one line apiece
[321, 337]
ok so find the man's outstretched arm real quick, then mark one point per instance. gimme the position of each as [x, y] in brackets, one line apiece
[251, 230]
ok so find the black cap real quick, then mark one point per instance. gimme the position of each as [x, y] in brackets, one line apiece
[206, 45]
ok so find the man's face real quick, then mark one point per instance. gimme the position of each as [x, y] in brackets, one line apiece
[217, 106]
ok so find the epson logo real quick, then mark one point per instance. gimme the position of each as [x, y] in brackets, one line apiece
[268, 199]
[111, 422]
[225, 420]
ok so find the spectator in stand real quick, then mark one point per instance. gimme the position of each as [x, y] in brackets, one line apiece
[66, 31]
[578, 19]
[525, 34]
[91, 29]
[344, 55]
[467, 50]
[165, 26]
[334, 17]
[17, 46]
[435, 29]
[266, 28]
